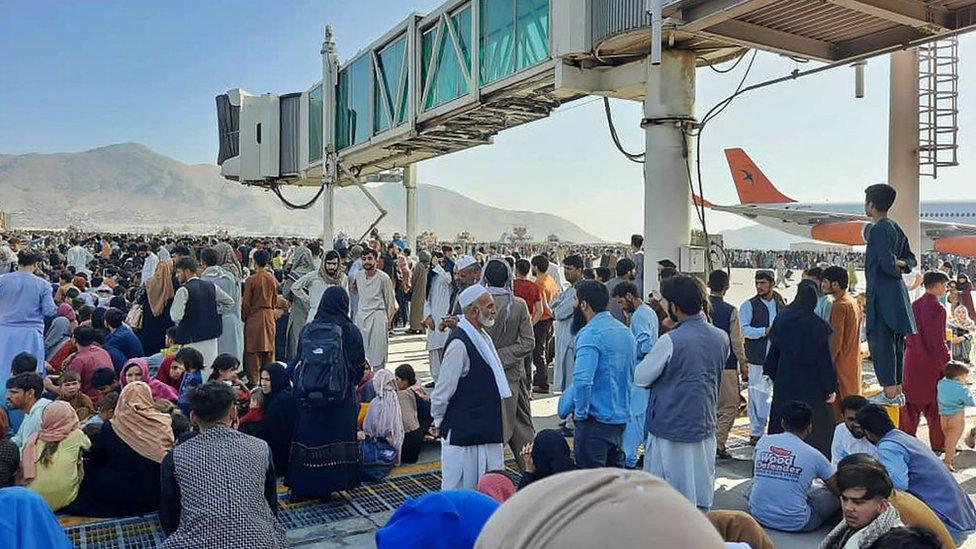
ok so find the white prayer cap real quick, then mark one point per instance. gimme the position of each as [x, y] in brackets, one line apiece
[464, 262]
[471, 294]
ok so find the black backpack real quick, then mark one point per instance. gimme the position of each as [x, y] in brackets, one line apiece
[322, 374]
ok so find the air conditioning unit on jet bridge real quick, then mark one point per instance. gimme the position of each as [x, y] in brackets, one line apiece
[260, 136]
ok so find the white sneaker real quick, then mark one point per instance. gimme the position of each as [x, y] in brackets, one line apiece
[897, 402]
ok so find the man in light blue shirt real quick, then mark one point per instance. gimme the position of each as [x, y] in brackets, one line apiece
[784, 468]
[25, 299]
[23, 393]
[599, 396]
[756, 317]
[643, 325]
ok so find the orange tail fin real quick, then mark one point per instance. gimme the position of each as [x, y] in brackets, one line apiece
[751, 184]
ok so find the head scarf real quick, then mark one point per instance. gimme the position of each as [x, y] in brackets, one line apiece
[550, 454]
[597, 508]
[57, 334]
[966, 324]
[29, 522]
[334, 307]
[58, 420]
[439, 520]
[279, 381]
[423, 257]
[66, 311]
[137, 422]
[301, 262]
[159, 287]
[227, 258]
[324, 275]
[159, 389]
[80, 282]
[497, 486]
[163, 375]
[383, 418]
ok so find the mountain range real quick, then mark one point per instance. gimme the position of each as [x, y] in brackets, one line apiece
[128, 187]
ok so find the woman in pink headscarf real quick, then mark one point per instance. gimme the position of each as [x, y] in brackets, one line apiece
[383, 418]
[51, 460]
[136, 369]
[66, 311]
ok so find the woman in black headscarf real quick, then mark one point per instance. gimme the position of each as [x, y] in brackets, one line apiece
[280, 415]
[800, 366]
[547, 456]
[325, 452]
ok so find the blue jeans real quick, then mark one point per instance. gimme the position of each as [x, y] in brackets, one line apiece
[635, 431]
[598, 444]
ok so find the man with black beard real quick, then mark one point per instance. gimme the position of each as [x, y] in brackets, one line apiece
[849, 436]
[599, 396]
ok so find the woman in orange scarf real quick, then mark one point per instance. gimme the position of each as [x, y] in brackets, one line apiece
[51, 460]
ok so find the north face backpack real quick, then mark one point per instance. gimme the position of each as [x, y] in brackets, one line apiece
[321, 376]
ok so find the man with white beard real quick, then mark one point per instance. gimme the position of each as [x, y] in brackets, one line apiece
[377, 305]
[466, 403]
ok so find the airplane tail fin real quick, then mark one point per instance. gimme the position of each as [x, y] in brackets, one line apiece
[751, 184]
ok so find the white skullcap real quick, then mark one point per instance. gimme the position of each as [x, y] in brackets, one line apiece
[464, 262]
[471, 294]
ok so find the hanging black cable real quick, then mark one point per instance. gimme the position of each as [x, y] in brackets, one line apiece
[276, 189]
[638, 158]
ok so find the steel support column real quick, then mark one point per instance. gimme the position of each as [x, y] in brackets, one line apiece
[669, 100]
[328, 216]
[903, 129]
[410, 184]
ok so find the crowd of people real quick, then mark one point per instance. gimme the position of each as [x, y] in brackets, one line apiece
[163, 374]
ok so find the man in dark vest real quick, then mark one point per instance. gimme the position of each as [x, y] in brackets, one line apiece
[756, 316]
[466, 403]
[196, 311]
[726, 317]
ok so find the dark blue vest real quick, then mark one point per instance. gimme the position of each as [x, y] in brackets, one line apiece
[474, 413]
[756, 348]
[200, 320]
[722, 318]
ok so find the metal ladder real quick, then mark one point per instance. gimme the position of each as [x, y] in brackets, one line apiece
[938, 89]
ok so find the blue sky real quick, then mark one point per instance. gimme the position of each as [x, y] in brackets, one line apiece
[78, 75]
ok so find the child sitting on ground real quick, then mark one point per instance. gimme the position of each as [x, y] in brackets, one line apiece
[255, 412]
[106, 411]
[953, 397]
[158, 360]
[70, 391]
[192, 362]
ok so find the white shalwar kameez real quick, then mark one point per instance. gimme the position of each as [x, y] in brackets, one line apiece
[437, 307]
[463, 466]
[377, 303]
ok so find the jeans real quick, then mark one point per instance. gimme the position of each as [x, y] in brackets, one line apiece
[598, 444]
[822, 504]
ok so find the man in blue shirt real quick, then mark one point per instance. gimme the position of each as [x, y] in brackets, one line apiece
[121, 338]
[784, 469]
[914, 468]
[599, 396]
[643, 324]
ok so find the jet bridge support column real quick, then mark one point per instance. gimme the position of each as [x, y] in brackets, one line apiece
[669, 106]
[903, 133]
[328, 216]
[410, 184]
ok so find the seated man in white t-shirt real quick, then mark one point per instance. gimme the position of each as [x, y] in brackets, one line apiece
[849, 436]
[784, 468]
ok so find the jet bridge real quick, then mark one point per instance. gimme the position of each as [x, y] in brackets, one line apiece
[451, 79]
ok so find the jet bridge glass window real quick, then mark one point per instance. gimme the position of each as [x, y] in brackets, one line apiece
[390, 95]
[446, 49]
[514, 35]
[353, 104]
[315, 124]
